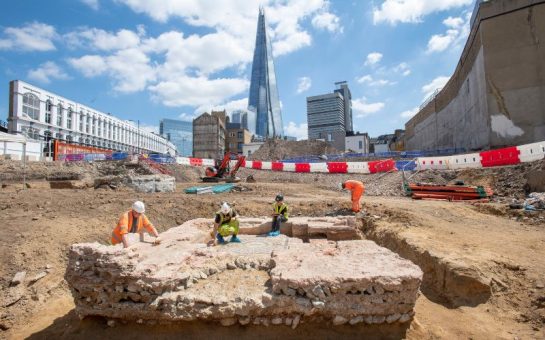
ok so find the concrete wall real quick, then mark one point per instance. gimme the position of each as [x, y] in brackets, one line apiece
[496, 96]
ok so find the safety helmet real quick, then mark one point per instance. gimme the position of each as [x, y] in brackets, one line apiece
[279, 198]
[341, 186]
[225, 208]
[139, 207]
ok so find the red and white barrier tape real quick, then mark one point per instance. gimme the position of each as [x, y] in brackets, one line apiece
[499, 157]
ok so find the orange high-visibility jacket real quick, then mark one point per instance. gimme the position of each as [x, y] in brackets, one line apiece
[125, 222]
[356, 187]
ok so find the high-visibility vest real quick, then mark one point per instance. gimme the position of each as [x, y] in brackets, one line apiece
[125, 223]
[225, 218]
[281, 209]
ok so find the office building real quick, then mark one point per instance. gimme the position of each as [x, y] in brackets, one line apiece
[236, 137]
[209, 135]
[180, 133]
[263, 98]
[327, 114]
[42, 115]
[347, 95]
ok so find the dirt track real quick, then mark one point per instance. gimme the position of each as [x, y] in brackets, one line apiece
[483, 264]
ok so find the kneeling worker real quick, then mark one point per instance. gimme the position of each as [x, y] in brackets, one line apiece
[357, 189]
[280, 214]
[133, 221]
[226, 224]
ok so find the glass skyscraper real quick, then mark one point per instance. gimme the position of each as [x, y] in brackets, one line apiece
[180, 133]
[263, 98]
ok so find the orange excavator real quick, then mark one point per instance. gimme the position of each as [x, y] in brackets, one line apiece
[222, 172]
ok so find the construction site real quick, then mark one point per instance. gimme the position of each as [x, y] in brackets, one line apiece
[404, 267]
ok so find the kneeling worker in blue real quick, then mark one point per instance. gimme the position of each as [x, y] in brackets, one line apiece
[226, 224]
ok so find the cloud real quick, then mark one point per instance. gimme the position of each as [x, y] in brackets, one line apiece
[93, 38]
[187, 117]
[46, 72]
[373, 58]
[403, 69]
[368, 79]
[197, 91]
[436, 85]
[304, 84]
[32, 37]
[233, 105]
[91, 3]
[89, 65]
[412, 11]
[363, 109]
[327, 21]
[456, 34]
[294, 130]
[409, 113]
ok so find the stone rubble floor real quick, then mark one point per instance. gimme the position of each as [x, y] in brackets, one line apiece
[263, 280]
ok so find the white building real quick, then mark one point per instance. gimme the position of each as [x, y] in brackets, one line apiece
[250, 148]
[42, 115]
[358, 143]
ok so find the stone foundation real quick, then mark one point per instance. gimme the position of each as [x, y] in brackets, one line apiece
[152, 183]
[263, 280]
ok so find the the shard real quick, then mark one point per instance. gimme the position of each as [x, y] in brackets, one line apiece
[263, 98]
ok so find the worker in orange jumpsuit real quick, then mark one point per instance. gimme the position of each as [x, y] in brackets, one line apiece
[357, 189]
[134, 221]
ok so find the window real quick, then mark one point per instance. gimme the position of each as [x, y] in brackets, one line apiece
[81, 120]
[31, 105]
[69, 119]
[100, 128]
[48, 107]
[69, 138]
[87, 127]
[240, 135]
[31, 132]
[360, 144]
[94, 126]
[59, 115]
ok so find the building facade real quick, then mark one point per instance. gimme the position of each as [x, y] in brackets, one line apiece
[347, 96]
[209, 135]
[263, 98]
[357, 142]
[41, 115]
[495, 98]
[236, 137]
[326, 119]
[179, 133]
[250, 148]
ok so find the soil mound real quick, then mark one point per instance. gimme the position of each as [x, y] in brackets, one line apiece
[276, 149]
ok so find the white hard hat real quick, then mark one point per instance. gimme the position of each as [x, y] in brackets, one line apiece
[225, 208]
[139, 207]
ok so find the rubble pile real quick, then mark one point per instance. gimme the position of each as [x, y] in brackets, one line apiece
[262, 281]
[275, 149]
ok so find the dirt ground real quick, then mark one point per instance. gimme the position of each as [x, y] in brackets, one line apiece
[483, 264]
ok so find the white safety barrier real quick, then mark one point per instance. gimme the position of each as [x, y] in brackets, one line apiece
[249, 164]
[208, 162]
[358, 167]
[266, 166]
[289, 167]
[432, 163]
[532, 152]
[183, 160]
[319, 167]
[14, 150]
[470, 160]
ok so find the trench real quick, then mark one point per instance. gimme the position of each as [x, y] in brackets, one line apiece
[450, 284]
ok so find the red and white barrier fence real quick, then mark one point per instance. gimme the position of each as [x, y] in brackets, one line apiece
[499, 157]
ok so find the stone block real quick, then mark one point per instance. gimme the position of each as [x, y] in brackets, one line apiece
[263, 280]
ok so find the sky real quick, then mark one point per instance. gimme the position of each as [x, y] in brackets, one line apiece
[152, 59]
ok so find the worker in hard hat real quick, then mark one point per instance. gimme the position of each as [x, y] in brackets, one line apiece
[225, 224]
[134, 221]
[357, 189]
[279, 215]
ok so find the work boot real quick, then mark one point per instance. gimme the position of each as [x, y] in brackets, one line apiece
[220, 238]
[234, 239]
